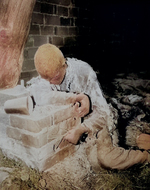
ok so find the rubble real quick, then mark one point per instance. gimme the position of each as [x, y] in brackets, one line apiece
[131, 99]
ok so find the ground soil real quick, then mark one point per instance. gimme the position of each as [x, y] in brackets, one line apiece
[25, 178]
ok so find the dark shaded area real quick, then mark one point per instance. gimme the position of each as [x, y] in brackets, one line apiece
[113, 35]
[123, 30]
[121, 87]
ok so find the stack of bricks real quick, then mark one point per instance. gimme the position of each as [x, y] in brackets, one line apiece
[64, 23]
[34, 138]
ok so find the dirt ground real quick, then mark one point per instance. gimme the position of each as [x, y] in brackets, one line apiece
[21, 177]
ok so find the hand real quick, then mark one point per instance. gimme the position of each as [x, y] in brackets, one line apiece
[71, 137]
[74, 134]
[84, 107]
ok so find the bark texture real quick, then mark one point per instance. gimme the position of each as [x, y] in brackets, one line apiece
[15, 17]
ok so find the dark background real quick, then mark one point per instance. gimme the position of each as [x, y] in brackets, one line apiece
[112, 36]
[120, 36]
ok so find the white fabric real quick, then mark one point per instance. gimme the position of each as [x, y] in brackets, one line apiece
[79, 77]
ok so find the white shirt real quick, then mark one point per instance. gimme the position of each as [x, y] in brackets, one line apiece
[79, 78]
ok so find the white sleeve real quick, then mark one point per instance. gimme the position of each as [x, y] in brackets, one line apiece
[40, 93]
[94, 91]
[45, 93]
[40, 89]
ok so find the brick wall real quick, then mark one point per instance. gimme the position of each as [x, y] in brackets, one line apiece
[64, 23]
[34, 138]
[106, 34]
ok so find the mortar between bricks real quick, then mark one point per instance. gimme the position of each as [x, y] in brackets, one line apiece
[31, 138]
[45, 136]
[35, 123]
[44, 157]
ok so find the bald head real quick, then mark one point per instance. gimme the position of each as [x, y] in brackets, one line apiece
[48, 59]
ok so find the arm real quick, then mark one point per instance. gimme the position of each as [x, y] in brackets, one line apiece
[74, 134]
[84, 106]
[98, 118]
[95, 119]
[45, 93]
[91, 96]
[92, 124]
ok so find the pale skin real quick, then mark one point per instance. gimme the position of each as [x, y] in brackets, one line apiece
[81, 106]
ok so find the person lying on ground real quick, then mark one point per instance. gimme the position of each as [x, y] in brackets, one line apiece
[78, 77]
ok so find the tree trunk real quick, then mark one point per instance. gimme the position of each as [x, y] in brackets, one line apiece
[15, 17]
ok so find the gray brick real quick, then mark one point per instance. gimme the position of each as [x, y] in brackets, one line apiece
[72, 22]
[39, 40]
[62, 11]
[50, 40]
[27, 75]
[65, 2]
[61, 31]
[65, 21]
[37, 18]
[29, 42]
[28, 65]
[47, 30]
[52, 20]
[29, 53]
[34, 29]
[62, 2]
[74, 12]
[47, 8]
[53, 1]
[37, 7]
[73, 30]
[70, 41]
[58, 41]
